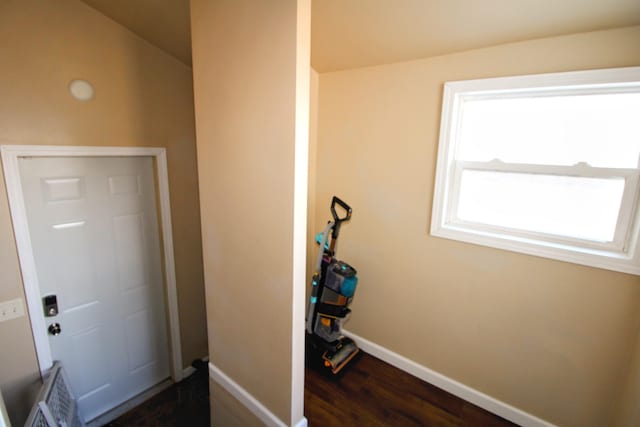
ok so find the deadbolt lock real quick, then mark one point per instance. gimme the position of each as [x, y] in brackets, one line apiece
[50, 303]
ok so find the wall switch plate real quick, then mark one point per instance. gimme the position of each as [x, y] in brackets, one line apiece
[11, 309]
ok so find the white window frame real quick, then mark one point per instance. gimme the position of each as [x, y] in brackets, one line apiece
[620, 255]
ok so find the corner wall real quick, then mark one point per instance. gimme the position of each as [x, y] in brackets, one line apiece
[628, 409]
[550, 338]
[251, 75]
[143, 98]
[312, 247]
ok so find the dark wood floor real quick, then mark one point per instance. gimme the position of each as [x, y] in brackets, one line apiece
[369, 392]
[373, 393]
[183, 404]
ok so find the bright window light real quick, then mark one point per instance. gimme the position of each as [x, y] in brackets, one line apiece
[584, 208]
[545, 165]
[602, 130]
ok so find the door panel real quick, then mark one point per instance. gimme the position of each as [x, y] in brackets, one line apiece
[129, 243]
[124, 184]
[94, 232]
[139, 342]
[74, 248]
[63, 189]
[88, 351]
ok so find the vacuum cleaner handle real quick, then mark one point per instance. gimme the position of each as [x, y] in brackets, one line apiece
[344, 206]
[337, 220]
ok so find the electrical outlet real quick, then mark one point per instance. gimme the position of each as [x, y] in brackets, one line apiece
[11, 309]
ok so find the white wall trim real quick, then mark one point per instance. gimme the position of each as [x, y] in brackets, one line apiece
[300, 189]
[190, 370]
[302, 423]
[248, 400]
[10, 155]
[450, 385]
[623, 254]
[4, 416]
[169, 264]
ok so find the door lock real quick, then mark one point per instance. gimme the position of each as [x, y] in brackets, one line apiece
[55, 329]
[50, 304]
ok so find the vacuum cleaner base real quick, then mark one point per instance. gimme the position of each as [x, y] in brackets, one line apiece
[344, 353]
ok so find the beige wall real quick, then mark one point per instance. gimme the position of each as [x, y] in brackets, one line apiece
[551, 338]
[244, 62]
[628, 409]
[312, 247]
[143, 98]
[227, 411]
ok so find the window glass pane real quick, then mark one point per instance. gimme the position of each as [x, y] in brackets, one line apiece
[602, 130]
[585, 208]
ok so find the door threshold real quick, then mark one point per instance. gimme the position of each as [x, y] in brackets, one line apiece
[121, 409]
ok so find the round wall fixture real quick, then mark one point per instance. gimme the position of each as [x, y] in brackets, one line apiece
[81, 90]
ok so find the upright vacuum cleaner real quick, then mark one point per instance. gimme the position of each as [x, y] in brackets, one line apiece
[332, 288]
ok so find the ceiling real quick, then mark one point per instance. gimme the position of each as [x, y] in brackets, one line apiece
[357, 33]
[164, 23]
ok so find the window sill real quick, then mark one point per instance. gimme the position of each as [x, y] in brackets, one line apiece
[609, 260]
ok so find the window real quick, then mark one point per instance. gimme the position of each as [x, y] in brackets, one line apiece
[546, 165]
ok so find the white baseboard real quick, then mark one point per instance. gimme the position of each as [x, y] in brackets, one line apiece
[452, 386]
[190, 370]
[248, 400]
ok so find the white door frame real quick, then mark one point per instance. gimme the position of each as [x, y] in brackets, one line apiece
[10, 155]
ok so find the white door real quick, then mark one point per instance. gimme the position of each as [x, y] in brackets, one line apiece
[94, 232]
